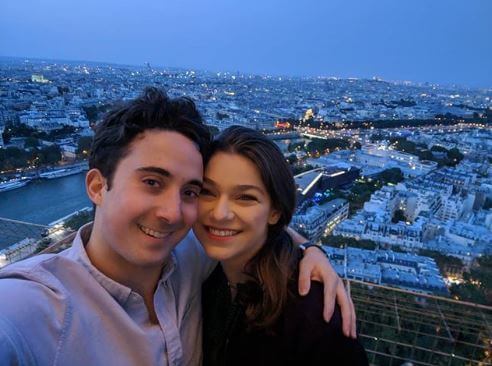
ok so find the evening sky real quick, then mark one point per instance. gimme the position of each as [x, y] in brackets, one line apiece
[443, 41]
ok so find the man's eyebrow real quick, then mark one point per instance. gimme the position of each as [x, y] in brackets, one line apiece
[196, 182]
[155, 169]
[167, 174]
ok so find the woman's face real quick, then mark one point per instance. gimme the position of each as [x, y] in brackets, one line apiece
[234, 210]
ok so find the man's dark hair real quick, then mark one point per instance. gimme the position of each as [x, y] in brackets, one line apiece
[153, 110]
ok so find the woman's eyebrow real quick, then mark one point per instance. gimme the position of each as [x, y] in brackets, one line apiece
[245, 187]
[240, 187]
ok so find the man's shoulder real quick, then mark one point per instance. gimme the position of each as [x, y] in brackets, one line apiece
[37, 283]
[34, 308]
[44, 268]
[31, 280]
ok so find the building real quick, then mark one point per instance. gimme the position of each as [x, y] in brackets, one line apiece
[379, 228]
[322, 179]
[403, 270]
[18, 251]
[2, 128]
[320, 220]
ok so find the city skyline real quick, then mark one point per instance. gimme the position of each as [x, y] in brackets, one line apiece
[442, 42]
[394, 180]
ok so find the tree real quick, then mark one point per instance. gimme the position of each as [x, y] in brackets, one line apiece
[401, 144]
[77, 220]
[439, 149]
[425, 155]
[43, 244]
[468, 292]
[477, 286]
[338, 241]
[377, 137]
[294, 145]
[93, 112]
[321, 145]
[6, 136]
[84, 146]
[18, 130]
[455, 156]
[31, 142]
[220, 116]
[392, 175]
[398, 249]
[291, 159]
[63, 131]
[12, 158]
[398, 216]
[445, 263]
[63, 89]
[214, 131]
[488, 204]
[48, 155]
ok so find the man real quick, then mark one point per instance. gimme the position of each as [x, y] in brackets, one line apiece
[124, 293]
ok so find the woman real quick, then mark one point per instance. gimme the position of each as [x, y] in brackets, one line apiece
[252, 312]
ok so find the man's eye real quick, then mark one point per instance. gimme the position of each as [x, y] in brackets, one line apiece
[191, 193]
[151, 182]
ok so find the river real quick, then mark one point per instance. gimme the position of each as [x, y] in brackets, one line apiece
[44, 201]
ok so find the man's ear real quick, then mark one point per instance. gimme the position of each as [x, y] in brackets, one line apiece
[274, 217]
[95, 185]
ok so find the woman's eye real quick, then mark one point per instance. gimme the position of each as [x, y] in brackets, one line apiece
[205, 192]
[247, 197]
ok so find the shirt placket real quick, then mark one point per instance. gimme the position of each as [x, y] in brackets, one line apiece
[165, 304]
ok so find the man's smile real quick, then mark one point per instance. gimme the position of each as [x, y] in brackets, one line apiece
[153, 233]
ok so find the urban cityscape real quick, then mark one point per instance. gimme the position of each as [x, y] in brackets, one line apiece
[394, 180]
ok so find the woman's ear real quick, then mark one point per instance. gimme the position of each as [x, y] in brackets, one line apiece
[274, 217]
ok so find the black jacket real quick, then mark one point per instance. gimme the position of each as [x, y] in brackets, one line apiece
[301, 336]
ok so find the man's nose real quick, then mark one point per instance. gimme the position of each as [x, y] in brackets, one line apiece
[170, 208]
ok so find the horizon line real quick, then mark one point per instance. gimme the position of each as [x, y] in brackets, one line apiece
[370, 78]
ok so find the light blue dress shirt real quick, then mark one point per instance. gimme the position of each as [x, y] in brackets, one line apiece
[60, 310]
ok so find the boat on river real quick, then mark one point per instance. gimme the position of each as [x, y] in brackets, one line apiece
[58, 173]
[13, 184]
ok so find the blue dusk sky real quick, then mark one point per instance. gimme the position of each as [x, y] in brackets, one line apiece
[443, 41]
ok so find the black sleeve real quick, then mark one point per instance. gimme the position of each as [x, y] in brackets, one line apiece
[310, 340]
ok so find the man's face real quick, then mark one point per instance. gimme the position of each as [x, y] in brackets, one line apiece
[152, 202]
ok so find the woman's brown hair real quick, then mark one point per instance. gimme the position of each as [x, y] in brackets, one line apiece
[272, 267]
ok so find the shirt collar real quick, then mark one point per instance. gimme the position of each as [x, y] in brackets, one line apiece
[120, 292]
